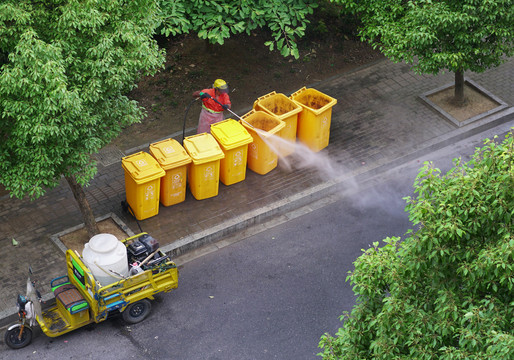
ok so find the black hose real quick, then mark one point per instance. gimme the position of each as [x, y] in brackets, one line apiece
[185, 118]
[126, 207]
[124, 204]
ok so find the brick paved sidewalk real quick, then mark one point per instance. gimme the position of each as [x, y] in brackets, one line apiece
[379, 119]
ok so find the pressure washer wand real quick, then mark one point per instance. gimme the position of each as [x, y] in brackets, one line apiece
[233, 113]
[258, 131]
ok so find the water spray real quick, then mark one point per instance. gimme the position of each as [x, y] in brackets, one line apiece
[302, 158]
[305, 158]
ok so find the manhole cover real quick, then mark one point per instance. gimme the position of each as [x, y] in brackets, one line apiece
[109, 155]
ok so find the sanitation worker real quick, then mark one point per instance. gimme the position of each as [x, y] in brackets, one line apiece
[214, 101]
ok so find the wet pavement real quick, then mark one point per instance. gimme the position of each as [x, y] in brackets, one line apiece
[379, 122]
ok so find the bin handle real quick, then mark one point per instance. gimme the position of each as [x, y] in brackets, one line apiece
[267, 95]
[257, 130]
[297, 92]
[242, 118]
[248, 114]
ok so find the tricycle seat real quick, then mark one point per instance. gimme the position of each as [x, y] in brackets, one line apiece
[71, 298]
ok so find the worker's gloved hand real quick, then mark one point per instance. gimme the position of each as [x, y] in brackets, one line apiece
[225, 107]
[204, 96]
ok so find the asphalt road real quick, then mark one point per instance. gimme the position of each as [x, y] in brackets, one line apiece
[270, 296]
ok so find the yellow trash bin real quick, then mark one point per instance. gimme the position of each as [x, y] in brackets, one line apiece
[314, 120]
[286, 110]
[142, 183]
[173, 159]
[204, 171]
[233, 139]
[262, 158]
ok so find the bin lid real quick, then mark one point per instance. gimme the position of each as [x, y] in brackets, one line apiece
[230, 134]
[203, 148]
[265, 124]
[142, 167]
[313, 100]
[169, 154]
[277, 104]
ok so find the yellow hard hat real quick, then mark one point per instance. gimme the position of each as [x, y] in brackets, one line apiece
[221, 85]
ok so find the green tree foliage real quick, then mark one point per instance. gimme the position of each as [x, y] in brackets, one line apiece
[215, 21]
[447, 290]
[65, 68]
[458, 35]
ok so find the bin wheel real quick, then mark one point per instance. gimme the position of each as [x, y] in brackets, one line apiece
[12, 337]
[137, 311]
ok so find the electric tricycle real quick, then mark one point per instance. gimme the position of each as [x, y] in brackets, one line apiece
[81, 299]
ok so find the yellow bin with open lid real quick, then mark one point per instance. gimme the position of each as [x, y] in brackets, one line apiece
[286, 110]
[173, 159]
[262, 152]
[142, 184]
[204, 171]
[315, 118]
[233, 139]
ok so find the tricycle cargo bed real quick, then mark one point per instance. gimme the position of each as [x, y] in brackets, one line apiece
[80, 297]
[160, 277]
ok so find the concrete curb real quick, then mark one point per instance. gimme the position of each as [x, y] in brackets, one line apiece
[327, 188]
[55, 238]
[303, 198]
[501, 104]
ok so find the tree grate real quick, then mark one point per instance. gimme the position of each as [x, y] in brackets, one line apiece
[109, 155]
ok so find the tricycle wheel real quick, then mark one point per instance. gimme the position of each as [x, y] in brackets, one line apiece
[137, 311]
[13, 340]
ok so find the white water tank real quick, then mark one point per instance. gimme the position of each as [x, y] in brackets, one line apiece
[105, 253]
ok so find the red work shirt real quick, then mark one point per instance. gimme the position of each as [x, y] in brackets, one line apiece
[211, 104]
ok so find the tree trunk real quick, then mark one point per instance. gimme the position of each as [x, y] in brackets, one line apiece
[459, 88]
[85, 209]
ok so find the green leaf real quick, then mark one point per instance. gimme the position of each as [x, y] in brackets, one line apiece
[446, 284]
